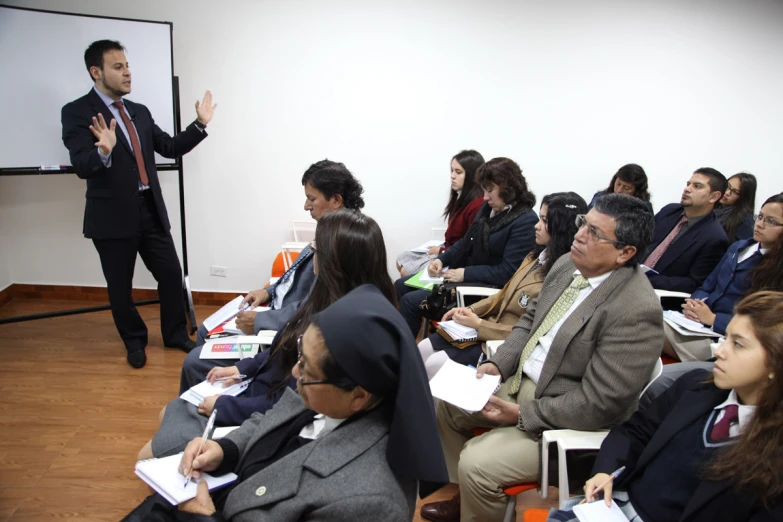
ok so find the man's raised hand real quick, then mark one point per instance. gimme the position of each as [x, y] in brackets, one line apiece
[105, 134]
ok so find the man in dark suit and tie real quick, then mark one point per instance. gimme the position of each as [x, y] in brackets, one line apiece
[125, 214]
[689, 240]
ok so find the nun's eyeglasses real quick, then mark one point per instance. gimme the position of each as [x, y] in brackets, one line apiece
[300, 364]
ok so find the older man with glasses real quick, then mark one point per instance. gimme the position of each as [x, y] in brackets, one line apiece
[578, 359]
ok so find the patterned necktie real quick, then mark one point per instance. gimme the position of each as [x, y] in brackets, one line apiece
[558, 310]
[656, 254]
[721, 429]
[134, 143]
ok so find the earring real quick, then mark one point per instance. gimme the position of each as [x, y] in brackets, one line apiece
[771, 376]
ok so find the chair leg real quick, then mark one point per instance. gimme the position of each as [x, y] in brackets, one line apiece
[511, 509]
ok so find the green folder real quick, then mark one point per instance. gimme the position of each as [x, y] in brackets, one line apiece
[415, 283]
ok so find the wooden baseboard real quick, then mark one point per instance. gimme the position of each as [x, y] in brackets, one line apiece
[99, 294]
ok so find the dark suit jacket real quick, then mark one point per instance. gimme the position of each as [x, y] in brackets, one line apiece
[727, 284]
[634, 443]
[689, 260]
[601, 358]
[112, 209]
[507, 248]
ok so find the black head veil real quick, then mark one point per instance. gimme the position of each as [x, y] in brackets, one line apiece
[370, 341]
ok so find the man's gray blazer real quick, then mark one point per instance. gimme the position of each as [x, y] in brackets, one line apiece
[601, 358]
[342, 476]
[304, 278]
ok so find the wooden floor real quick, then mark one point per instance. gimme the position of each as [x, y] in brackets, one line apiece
[74, 414]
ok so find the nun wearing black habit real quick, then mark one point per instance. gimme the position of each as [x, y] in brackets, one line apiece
[358, 442]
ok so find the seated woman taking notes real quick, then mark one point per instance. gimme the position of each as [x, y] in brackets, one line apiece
[465, 200]
[629, 179]
[340, 450]
[494, 317]
[748, 266]
[709, 449]
[494, 245]
[348, 252]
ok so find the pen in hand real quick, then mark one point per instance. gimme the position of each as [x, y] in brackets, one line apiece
[606, 482]
[210, 423]
[238, 376]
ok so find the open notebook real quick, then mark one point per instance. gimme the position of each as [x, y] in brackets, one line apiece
[163, 476]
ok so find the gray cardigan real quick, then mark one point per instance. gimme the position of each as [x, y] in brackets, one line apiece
[342, 476]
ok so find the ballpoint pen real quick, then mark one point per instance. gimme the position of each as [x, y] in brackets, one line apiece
[210, 423]
[607, 481]
[239, 376]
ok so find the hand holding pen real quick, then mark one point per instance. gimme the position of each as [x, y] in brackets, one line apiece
[191, 461]
[601, 481]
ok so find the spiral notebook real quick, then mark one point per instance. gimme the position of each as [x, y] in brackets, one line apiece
[459, 332]
[163, 476]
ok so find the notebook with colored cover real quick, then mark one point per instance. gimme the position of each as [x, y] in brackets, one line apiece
[459, 332]
[163, 476]
[423, 280]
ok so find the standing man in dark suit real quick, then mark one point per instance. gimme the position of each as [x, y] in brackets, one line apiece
[125, 214]
[689, 239]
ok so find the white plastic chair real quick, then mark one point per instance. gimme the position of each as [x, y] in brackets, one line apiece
[304, 232]
[568, 440]
[473, 291]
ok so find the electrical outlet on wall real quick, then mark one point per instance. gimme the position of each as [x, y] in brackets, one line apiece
[219, 271]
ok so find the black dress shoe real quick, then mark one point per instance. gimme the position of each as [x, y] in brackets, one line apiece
[137, 358]
[446, 511]
[186, 347]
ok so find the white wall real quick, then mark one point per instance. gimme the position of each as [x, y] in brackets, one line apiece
[570, 90]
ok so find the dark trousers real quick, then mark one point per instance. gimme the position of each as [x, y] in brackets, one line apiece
[409, 299]
[118, 261]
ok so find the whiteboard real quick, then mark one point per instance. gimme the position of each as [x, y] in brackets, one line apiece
[42, 64]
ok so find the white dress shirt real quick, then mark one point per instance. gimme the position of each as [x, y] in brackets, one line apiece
[106, 158]
[744, 412]
[320, 426]
[749, 251]
[535, 363]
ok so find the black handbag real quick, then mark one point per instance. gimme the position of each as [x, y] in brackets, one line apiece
[442, 299]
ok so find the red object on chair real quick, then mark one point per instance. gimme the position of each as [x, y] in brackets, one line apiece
[514, 489]
[278, 267]
[668, 360]
[535, 515]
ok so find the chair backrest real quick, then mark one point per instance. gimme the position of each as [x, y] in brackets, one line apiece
[657, 370]
[304, 231]
[667, 376]
[278, 266]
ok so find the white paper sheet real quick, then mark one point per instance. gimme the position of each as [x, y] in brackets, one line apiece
[457, 384]
[427, 278]
[224, 314]
[678, 319]
[598, 512]
[422, 249]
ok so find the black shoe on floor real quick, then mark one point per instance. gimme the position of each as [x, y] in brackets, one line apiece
[186, 347]
[137, 358]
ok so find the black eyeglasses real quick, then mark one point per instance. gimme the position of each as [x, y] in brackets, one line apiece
[734, 191]
[767, 220]
[592, 232]
[300, 365]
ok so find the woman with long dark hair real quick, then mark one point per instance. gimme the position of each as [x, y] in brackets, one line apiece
[750, 265]
[629, 179]
[349, 251]
[495, 244]
[711, 447]
[465, 200]
[737, 206]
[494, 317]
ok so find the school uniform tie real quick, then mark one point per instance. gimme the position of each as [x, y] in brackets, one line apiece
[721, 429]
[558, 310]
[657, 254]
[134, 143]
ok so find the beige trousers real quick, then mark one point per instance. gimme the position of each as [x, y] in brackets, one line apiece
[686, 347]
[484, 465]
